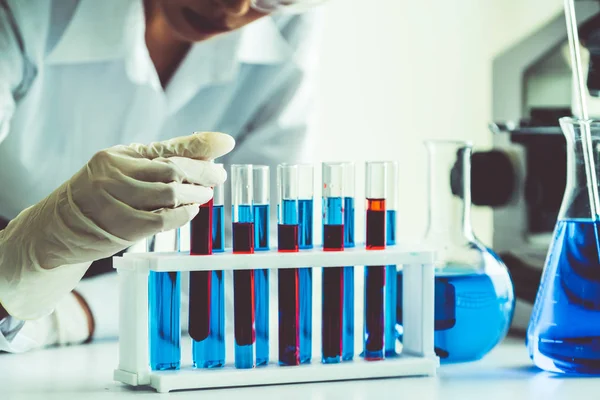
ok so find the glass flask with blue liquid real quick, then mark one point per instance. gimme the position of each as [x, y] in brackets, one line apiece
[564, 330]
[474, 296]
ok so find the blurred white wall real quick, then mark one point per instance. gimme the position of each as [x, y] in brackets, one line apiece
[393, 73]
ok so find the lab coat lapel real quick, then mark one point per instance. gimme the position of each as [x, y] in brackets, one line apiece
[208, 63]
[262, 43]
[217, 61]
[114, 29]
[97, 31]
[107, 30]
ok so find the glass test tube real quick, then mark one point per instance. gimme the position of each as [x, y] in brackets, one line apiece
[391, 278]
[305, 241]
[333, 277]
[218, 220]
[207, 295]
[288, 278]
[348, 193]
[261, 209]
[164, 308]
[373, 334]
[243, 280]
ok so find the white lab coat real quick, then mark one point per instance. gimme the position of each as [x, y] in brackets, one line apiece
[76, 77]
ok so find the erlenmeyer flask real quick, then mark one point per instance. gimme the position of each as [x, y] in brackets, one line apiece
[474, 297]
[564, 330]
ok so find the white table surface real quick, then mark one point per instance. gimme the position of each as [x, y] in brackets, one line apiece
[85, 373]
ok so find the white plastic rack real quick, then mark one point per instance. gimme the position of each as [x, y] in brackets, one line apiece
[416, 359]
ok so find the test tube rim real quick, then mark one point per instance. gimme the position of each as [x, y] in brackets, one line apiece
[235, 202]
[369, 182]
[393, 191]
[292, 192]
[304, 167]
[327, 190]
[261, 196]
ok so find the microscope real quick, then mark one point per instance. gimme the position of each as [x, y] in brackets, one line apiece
[523, 178]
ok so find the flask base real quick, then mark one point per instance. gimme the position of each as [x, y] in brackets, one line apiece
[577, 356]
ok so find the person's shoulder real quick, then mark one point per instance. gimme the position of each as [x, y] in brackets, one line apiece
[37, 24]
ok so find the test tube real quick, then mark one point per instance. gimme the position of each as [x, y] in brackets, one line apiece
[391, 277]
[348, 192]
[305, 241]
[164, 305]
[305, 205]
[373, 334]
[243, 280]
[207, 296]
[333, 277]
[288, 278]
[261, 209]
[218, 229]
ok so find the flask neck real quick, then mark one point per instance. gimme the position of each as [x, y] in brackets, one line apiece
[579, 190]
[449, 187]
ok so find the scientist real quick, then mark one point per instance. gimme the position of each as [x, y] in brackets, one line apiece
[79, 78]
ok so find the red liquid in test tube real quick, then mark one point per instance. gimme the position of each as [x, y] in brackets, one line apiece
[200, 281]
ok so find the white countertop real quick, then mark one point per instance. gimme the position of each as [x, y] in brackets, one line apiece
[85, 373]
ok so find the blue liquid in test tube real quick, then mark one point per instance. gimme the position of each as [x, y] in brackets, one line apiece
[390, 270]
[348, 315]
[305, 241]
[390, 289]
[218, 229]
[164, 302]
[261, 210]
[243, 280]
[164, 291]
[305, 233]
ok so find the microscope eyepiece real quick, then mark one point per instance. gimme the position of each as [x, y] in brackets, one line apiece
[590, 38]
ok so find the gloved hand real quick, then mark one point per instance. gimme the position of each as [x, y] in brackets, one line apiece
[123, 194]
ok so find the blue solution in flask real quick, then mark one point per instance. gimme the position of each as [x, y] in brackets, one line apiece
[472, 312]
[474, 297]
[564, 333]
[564, 330]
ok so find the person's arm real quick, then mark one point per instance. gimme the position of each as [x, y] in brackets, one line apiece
[16, 75]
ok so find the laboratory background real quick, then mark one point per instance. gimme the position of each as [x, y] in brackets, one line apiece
[450, 112]
[413, 73]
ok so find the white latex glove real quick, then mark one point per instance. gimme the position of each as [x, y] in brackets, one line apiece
[123, 194]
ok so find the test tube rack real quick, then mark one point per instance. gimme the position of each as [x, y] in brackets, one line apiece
[416, 359]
